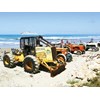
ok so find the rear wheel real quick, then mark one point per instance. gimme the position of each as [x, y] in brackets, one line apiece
[95, 49]
[31, 65]
[8, 62]
[78, 52]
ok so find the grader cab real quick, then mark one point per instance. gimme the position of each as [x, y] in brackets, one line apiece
[36, 51]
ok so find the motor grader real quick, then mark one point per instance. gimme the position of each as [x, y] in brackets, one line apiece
[35, 52]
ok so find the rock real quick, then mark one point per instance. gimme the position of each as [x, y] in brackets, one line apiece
[95, 70]
[98, 56]
[79, 78]
[31, 75]
[97, 61]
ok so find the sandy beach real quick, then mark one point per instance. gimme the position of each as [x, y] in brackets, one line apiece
[80, 70]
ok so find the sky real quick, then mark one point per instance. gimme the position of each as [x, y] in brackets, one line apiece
[50, 22]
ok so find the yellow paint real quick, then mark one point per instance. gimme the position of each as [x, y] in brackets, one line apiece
[44, 53]
[19, 58]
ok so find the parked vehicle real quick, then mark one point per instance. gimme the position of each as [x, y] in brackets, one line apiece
[33, 53]
[75, 48]
[92, 46]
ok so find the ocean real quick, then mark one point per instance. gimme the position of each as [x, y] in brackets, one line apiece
[12, 41]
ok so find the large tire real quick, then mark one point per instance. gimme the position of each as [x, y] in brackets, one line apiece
[31, 64]
[8, 62]
[95, 49]
[78, 52]
[83, 52]
[69, 57]
[61, 58]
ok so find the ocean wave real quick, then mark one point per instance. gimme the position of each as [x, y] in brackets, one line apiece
[15, 40]
[9, 39]
[71, 37]
[53, 37]
[8, 43]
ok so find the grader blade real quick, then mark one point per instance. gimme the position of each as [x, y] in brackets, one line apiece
[57, 71]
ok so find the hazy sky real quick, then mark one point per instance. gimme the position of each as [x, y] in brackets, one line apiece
[49, 23]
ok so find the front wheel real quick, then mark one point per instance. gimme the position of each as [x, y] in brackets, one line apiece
[8, 62]
[31, 64]
[83, 52]
[61, 58]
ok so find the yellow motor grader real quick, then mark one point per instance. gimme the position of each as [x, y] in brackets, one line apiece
[35, 52]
